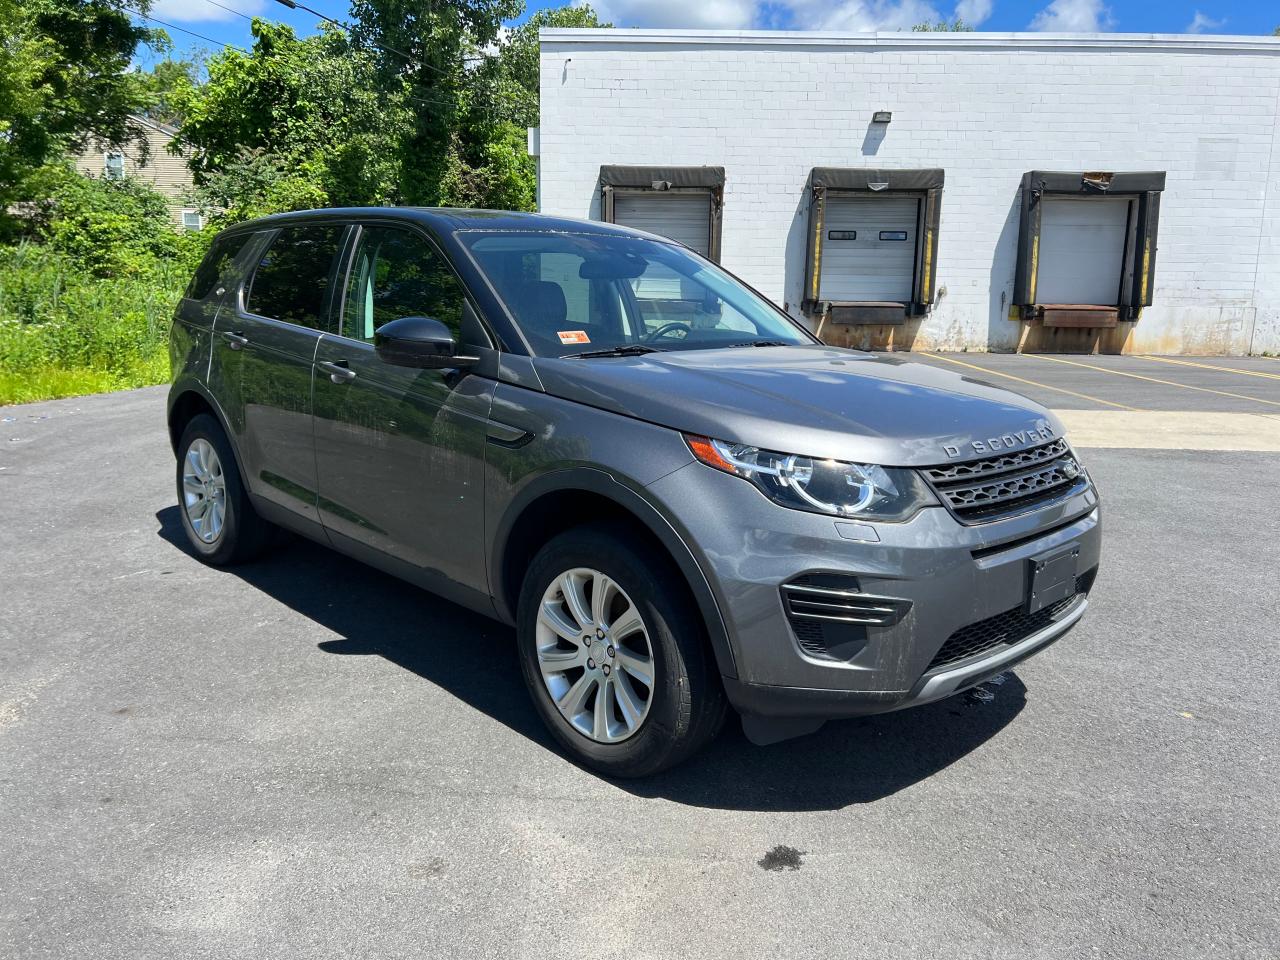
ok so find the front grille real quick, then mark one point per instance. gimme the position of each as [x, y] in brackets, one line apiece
[829, 614]
[995, 487]
[1005, 629]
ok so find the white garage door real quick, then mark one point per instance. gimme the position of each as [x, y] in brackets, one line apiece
[1081, 249]
[684, 217]
[869, 249]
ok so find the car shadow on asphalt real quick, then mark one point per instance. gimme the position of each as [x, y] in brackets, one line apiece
[474, 659]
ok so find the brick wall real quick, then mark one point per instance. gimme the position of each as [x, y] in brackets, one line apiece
[986, 108]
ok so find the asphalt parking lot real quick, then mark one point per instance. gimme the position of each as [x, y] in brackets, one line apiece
[301, 758]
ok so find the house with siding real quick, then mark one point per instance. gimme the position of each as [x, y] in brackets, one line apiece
[149, 159]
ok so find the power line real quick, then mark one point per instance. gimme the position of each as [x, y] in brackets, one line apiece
[294, 5]
[229, 10]
[198, 36]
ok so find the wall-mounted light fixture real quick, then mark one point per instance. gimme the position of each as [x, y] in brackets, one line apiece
[881, 116]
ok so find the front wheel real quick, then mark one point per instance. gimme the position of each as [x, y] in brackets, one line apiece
[614, 654]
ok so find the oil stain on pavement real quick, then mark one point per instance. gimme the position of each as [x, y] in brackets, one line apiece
[782, 858]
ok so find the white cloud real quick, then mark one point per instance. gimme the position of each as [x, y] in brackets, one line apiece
[1074, 16]
[974, 12]
[861, 15]
[201, 11]
[847, 15]
[706, 14]
[1201, 23]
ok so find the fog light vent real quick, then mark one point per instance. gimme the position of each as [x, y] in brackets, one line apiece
[830, 615]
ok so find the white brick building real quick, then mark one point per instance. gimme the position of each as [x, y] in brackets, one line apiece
[1193, 117]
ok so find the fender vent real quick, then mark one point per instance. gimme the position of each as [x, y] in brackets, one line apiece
[830, 615]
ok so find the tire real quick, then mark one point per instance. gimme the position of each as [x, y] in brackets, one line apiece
[682, 709]
[227, 530]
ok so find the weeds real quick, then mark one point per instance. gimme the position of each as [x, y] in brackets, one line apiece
[64, 331]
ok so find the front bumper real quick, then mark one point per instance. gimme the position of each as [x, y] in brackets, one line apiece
[952, 577]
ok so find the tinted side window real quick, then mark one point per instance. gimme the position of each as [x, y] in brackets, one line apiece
[293, 278]
[215, 265]
[397, 274]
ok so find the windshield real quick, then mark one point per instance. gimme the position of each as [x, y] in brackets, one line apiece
[584, 294]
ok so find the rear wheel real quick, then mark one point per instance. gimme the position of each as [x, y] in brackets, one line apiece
[614, 654]
[220, 523]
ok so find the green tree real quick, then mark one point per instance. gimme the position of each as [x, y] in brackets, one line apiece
[169, 86]
[943, 26]
[488, 163]
[64, 78]
[431, 46]
[295, 123]
[109, 228]
[519, 58]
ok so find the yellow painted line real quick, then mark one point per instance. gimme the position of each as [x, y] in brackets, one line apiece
[1171, 430]
[1138, 376]
[1209, 366]
[1033, 383]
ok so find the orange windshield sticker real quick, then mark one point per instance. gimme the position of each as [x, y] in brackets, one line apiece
[573, 336]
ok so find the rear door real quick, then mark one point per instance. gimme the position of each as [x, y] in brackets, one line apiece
[191, 337]
[262, 356]
[400, 451]
[869, 251]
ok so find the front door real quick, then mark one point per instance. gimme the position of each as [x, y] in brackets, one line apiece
[400, 451]
[263, 349]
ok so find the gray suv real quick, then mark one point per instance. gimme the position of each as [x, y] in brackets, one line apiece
[681, 500]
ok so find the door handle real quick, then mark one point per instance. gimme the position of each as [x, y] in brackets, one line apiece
[338, 371]
[234, 340]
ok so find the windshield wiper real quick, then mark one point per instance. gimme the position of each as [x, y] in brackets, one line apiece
[626, 350]
[761, 343]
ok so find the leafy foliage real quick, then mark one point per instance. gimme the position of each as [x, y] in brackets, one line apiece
[943, 26]
[519, 57]
[107, 228]
[169, 86]
[429, 45]
[63, 80]
[64, 331]
[422, 102]
[86, 295]
[296, 123]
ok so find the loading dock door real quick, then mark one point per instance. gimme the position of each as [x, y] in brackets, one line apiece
[1082, 246]
[869, 249]
[684, 217]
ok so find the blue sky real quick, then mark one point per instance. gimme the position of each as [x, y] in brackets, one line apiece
[227, 24]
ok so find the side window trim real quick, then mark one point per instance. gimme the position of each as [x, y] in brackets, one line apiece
[358, 228]
[261, 243]
[231, 274]
[355, 235]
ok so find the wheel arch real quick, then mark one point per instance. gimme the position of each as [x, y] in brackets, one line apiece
[187, 400]
[594, 496]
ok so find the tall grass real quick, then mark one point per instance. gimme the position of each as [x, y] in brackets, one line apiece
[64, 331]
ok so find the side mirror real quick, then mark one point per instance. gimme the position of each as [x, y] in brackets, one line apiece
[418, 342]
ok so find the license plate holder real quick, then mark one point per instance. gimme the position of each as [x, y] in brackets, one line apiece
[1052, 576]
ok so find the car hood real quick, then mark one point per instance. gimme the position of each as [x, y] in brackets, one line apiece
[817, 401]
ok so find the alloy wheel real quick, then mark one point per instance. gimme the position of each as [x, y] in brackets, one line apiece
[204, 490]
[595, 655]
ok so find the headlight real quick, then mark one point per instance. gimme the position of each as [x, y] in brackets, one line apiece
[820, 486]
